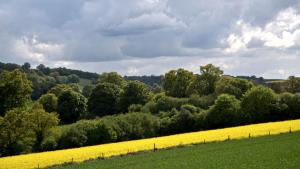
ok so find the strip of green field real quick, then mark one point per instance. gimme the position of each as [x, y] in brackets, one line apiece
[269, 152]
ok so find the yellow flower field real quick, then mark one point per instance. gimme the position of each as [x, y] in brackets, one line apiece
[44, 159]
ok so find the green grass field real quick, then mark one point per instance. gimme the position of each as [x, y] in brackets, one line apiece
[269, 152]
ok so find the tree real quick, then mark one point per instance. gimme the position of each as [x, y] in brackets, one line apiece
[87, 90]
[15, 90]
[40, 84]
[60, 88]
[136, 125]
[105, 99]
[112, 77]
[176, 82]
[293, 84]
[42, 68]
[41, 122]
[224, 113]
[258, 104]
[294, 105]
[26, 66]
[16, 135]
[287, 102]
[49, 102]
[135, 92]
[184, 120]
[71, 106]
[198, 86]
[233, 86]
[210, 75]
[204, 84]
[73, 78]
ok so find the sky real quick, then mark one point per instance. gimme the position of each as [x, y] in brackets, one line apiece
[144, 37]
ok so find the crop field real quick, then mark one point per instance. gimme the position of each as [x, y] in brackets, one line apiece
[45, 159]
[268, 152]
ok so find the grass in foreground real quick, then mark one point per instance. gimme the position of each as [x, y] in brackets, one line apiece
[268, 152]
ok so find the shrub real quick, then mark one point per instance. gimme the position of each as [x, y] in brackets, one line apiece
[258, 104]
[73, 137]
[225, 112]
[49, 102]
[166, 103]
[135, 108]
[203, 102]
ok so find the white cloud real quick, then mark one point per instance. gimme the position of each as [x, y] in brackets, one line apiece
[32, 49]
[282, 32]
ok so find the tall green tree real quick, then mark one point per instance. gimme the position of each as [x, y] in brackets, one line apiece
[205, 83]
[105, 99]
[176, 82]
[112, 77]
[293, 84]
[16, 134]
[41, 122]
[258, 104]
[135, 92]
[71, 106]
[15, 90]
[210, 74]
[233, 86]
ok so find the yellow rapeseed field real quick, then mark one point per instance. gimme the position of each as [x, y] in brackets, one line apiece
[44, 159]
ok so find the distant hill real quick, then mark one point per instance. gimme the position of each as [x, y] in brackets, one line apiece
[149, 80]
[43, 75]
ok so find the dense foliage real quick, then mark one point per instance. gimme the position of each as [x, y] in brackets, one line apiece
[15, 90]
[47, 109]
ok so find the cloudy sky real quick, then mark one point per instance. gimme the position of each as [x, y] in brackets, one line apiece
[143, 37]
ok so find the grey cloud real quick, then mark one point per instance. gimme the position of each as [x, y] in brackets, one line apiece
[144, 23]
[119, 32]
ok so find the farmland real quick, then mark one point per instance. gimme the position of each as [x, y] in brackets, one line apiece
[108, 150]
[276, 152]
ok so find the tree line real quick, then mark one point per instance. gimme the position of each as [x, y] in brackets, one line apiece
[116, 109]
